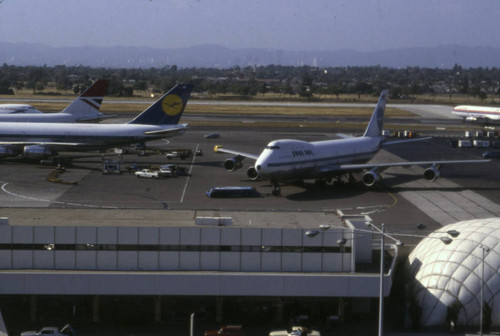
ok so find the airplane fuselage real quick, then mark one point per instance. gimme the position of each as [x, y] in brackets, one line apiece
[477, 113]
[40, 117]
[293, 159]
[78, 137]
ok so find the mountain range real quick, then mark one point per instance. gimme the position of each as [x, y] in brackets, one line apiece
[218, 56]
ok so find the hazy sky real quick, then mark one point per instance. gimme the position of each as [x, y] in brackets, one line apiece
[363, 25]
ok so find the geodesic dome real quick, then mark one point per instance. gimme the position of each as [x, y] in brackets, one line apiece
[448, 277]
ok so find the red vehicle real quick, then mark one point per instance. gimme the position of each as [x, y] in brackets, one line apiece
[229, 330]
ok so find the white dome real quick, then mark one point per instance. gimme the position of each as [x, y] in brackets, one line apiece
[444, 274]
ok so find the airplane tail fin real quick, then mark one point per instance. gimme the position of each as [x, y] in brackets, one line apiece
[376, 123]
[87, 105]
[168, 109]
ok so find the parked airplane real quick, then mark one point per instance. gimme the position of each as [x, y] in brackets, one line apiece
[84, 108]
[480, 114]
[289, 160]
[39, 140]
[17, 108]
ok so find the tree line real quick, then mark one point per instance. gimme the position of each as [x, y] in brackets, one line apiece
[282, 81]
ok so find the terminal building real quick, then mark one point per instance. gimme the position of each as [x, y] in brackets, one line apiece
[89, 265]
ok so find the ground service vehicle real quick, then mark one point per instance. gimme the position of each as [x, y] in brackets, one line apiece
[232, 192]
[146, 173]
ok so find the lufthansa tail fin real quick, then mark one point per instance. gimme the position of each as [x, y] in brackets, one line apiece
[87, 105]
[376, 123]
[168, 109]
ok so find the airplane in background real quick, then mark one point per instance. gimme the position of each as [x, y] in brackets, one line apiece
[83, 109]
[292, 160]
[41, 140]
[481, 114]
[17, 109]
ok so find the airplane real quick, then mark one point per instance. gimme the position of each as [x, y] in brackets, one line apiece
[292, 160]
[17, 108]
[83, 109]
[480, 114]
[41, 140]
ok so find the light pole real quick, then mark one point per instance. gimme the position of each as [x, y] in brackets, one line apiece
[484, 250]
[324, 227]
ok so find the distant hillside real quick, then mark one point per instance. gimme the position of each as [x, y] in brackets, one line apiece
[222, 57]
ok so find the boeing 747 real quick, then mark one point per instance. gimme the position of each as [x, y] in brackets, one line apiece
[40, 140]
[84, 108]
[292, 160]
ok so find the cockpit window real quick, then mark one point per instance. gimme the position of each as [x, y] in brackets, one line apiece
[272, 147]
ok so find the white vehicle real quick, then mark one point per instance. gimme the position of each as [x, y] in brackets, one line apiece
[41, 140]
[171, 155]
[167, 170]
[482, 114]
[296, 331]
[292, 160]
[147, 173]
[84, 108]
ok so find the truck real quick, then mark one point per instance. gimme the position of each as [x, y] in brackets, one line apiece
[146, 173]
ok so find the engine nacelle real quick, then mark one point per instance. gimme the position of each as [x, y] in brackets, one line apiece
[232, 164]
[36, 152]
[252, 173]
[370, 178]
[431, 174]
[6, 151]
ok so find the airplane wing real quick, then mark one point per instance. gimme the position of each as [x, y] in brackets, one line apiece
[369, 166]
[41, 143]
[344, 136]
[220, 149]
[395, 142]
[167, 131]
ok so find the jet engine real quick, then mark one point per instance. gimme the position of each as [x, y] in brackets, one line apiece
[252, 173]
[6, 151]
[431, 173]
[36, 152]
[370, 178]
[232, 164]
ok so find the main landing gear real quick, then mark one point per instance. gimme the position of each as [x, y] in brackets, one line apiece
[276, 189]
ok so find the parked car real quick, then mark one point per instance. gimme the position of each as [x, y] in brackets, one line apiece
[229, 330]
[168, 170]
[146, 173]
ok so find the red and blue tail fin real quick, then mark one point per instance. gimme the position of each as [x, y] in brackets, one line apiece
[168, 109]
[87, 105]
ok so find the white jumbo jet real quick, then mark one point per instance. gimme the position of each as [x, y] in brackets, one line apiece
[40, 140]
[84, 108]
[292, 160]
[481, 114]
